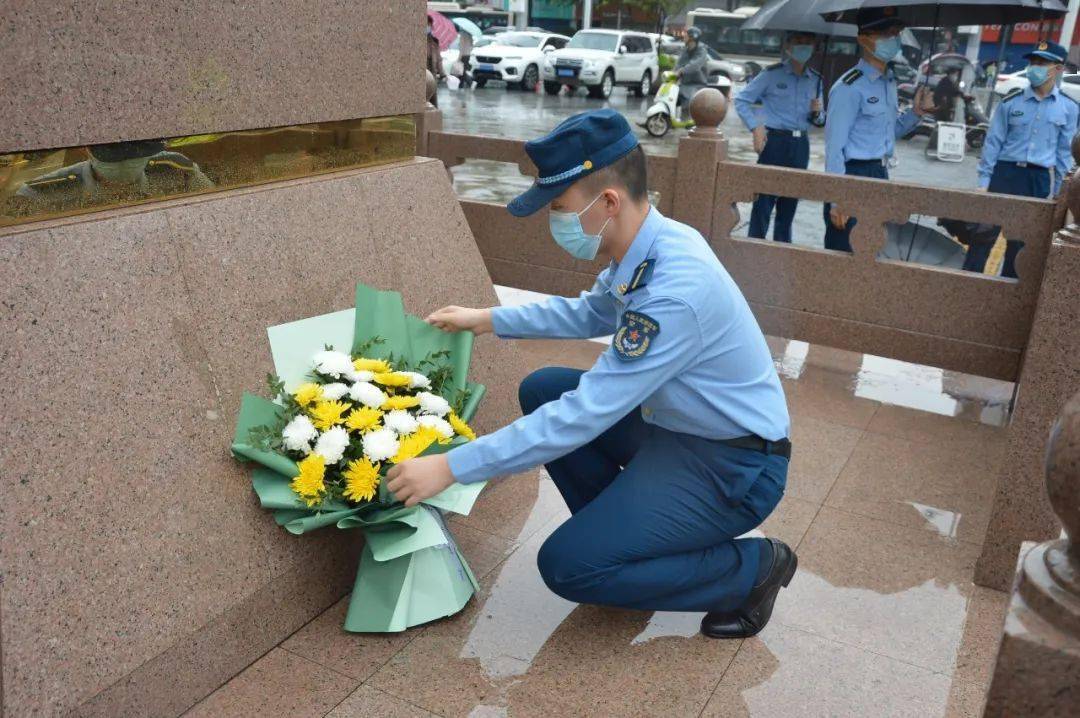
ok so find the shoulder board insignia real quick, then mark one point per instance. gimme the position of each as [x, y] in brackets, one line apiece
[53, 182]
[635, 335]
[642, 275]
[1013, 93]
[776, 66]
[851, 76]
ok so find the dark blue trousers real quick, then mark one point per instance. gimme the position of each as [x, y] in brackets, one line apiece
[1009, 178]
[840, 239]
[780, 151]
[655, 514]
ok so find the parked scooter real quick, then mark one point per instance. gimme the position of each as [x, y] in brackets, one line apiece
[663, 114]
[974, 118]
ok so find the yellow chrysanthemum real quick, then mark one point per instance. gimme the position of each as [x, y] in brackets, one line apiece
[307, 393]
[379, 366]
[412, 445]
[328, 413]
[309, 484]
[361, 480]
[460, 427]
[393, 378]
[363, 419]
[401, 402]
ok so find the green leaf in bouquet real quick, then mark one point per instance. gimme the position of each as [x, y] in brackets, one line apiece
[257, 412]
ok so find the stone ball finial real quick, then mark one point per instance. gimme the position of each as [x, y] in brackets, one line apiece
[1063, 467]
[1076, 148]
[708, 107]
[431, 85]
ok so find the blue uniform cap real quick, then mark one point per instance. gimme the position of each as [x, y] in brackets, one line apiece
[877, 18]
[578, 146]
[1049, 51]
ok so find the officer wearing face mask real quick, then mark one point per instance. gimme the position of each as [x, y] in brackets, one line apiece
[675, 442]
[778, 107]
[118, 171]
[863, 122]
[1030, 135]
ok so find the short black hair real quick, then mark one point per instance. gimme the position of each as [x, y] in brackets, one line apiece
[629, 172]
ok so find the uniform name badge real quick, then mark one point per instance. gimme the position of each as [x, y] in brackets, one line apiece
[635, 335]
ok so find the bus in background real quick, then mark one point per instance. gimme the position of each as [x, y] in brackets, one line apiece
[482, 15]
[722, 31]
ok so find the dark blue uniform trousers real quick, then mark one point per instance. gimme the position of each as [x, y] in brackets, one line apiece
[655, 513]
[780, 151]
[841, 238]
[1009, 178]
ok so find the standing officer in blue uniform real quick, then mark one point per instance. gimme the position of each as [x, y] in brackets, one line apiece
[863, 122]
[675, 442]
[1030, 134]
[789, 95]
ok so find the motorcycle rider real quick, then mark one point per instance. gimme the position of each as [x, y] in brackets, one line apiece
[690, 68]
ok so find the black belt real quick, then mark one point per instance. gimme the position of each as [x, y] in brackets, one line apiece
[1026, 165]
[786, 133]
[756, 443]
[879, 162]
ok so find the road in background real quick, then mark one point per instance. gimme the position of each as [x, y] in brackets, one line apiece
[499, 112]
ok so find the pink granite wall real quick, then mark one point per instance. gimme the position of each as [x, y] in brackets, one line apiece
[138, 571]
[79, 73]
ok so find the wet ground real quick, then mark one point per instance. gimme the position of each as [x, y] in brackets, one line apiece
[886, 506]
[497, 111]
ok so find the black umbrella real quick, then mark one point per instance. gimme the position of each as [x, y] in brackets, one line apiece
[926, 13]
[913, 242]
[797, 16]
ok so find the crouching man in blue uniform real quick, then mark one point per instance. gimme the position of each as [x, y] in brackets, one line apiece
[674, 443]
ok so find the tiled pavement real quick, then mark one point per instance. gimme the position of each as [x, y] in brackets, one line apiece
[886, 505]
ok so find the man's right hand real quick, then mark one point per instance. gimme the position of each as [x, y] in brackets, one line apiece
[838, 220]
[760, 137]
[461, 319]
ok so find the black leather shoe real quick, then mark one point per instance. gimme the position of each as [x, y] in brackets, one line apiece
[756, 612]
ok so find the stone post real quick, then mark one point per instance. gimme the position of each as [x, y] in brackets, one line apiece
[1038, 665]
[430, 120]
[1049, 375]
[699, 155]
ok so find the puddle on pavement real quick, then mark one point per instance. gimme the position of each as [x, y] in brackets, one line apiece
[945, 523]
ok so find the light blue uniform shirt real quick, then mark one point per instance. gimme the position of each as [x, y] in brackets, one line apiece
[784, 98]
[1027, 129]
[707, 371]
[863, 121]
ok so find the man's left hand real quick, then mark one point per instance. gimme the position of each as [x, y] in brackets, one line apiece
[417, 479]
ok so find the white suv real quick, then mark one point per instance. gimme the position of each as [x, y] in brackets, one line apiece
[515, 58]
[602, 59]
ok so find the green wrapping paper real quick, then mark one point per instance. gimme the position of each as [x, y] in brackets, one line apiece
[411, 570]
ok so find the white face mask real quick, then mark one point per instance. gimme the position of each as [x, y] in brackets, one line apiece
[125, 171]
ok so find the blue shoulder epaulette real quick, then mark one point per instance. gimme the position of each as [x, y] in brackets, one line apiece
[775, 66]
[851, 76]
[1012, 93]
[642, 275]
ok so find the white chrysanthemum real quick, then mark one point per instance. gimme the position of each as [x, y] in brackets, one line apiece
[363, 375]
[442, 426]
[298, 434]
[400, 421]
[334, 391]
[367, 394]
[416, 380]
[332, 444]
[332, 363]
[433, 404]
[380, 445]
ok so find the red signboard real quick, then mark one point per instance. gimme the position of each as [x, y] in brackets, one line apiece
[1027, 33]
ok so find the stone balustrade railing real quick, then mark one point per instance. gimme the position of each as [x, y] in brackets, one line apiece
[1007, 329]
[1038, 666]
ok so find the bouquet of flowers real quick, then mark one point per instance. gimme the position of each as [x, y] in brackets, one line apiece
[337, 420]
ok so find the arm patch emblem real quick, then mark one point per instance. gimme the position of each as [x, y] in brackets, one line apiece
[635, 335]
